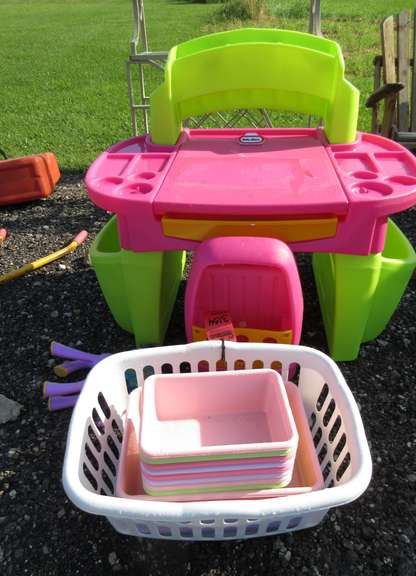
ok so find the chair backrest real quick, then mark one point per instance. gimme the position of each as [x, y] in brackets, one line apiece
[255, 68]
[398, 34]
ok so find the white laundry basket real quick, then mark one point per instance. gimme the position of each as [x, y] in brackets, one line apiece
[97, 425]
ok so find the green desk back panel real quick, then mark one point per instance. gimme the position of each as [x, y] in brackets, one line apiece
[359, 294]
[255, 68]
[140, 288]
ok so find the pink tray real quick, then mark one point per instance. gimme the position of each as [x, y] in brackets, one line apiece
[307, 475]
[294, 174]
[216, 415]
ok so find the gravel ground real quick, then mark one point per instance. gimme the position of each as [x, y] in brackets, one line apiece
[42, 533]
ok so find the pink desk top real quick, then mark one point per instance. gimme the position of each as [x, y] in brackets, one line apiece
[278, 174]
[284, 175]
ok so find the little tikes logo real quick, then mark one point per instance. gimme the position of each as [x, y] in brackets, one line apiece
[251, 138]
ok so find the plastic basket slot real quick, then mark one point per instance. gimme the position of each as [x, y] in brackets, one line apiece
[130, 378]
[326, 470]
[94, 439]
[90, 476]
[322, 452]
[294, 522]
[343, 467]
[239, 364]
[335, 429]
[258, 365]
[203, 366]
[230, 531]
[116, 429]
[90, 456]
[330, 484]
[276, 365]
[339, 447]
[97, 421]
[208, 532]
[210, 521]
[167, 368]
[221, 366]
[143, 529]
[110, 464]
[326, 459]
[148, 371]
[251, 529]
[103, 404]
[185, 367]
[317, 437]
[273, 526]
[312, 420]
[329, 412]
[103, 492]
[107, 481]
[294, 373]
[113, 447]
[186, 532]
[164, 531]
[322, 397]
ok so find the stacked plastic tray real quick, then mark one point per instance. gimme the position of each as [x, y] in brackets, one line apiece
[205, 433]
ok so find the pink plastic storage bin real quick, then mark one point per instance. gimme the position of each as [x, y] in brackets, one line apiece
[307, 475]
[255, 280]
[216, 415]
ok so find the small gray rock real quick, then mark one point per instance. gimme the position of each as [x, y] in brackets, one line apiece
[112, 558]
[9, 409]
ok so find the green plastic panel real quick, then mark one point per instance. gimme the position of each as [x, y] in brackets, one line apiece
[255, 68]
[140, 288]
[359, 294]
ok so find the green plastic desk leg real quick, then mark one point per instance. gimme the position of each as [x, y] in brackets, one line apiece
[359, 294]
[345, 285]
[140, 287]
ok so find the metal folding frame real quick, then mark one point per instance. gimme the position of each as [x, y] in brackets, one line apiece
[141, 57]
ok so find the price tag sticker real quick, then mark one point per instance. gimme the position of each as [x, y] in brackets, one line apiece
[219, 326]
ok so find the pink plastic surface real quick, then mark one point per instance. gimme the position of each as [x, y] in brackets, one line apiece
[216, 414]
[214, 466]
[255, 280]
[294, 174]
[306, 477]
[225, 475]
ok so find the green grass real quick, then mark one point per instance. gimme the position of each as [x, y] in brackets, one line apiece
[62, 63]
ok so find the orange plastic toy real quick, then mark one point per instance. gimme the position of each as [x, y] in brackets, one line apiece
[28, 178]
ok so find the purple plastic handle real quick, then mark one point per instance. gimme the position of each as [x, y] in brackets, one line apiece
[70, 366]
[63, 351]
[56, 389]
[62, 402]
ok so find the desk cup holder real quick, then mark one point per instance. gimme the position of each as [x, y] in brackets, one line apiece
[147, 175]
[364, 175]
[134, 188]
[108, 184]
[372, 188]
[405, 181]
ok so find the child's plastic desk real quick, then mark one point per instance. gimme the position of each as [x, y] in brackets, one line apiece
[284, 183]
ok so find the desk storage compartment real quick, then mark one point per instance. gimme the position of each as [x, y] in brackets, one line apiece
[359, 294]
[140, 288]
